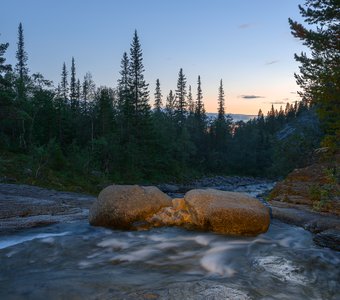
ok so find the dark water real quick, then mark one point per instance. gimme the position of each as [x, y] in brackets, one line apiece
[77, 261]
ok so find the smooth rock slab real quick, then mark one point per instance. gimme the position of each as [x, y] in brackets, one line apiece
[120, 206]
[227, 212]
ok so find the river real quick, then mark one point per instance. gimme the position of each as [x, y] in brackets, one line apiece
[77, 261]
[73, 260]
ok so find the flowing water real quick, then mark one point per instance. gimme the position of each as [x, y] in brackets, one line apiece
[77, 261]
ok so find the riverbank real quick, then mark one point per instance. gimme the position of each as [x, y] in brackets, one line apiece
[162, 263]
[25, 206]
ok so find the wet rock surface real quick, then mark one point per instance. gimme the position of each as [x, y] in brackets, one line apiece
[24, 206]
[325, 226]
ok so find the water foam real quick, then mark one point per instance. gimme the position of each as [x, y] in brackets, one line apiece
[9, 242]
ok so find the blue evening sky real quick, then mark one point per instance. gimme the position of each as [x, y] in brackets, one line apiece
[247, 43]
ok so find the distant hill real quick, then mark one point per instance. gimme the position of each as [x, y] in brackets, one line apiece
[236, 117]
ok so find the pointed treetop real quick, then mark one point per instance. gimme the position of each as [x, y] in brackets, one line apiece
[158, 97]
[199, 109]
[21, 54]
[221, 108]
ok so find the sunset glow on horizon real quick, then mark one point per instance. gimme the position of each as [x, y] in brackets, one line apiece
[245, 43]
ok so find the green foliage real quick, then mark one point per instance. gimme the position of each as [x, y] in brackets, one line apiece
[94, 136]
[320, 72]
[320, 195]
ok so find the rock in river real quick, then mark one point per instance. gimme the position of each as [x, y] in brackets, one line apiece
[227, 212]
[120, 206]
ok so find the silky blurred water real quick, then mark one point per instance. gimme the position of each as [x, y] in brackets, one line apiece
[77, 261]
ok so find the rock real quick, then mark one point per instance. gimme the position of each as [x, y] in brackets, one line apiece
[177, 215]
[120, 206]
[179, 203]
[24, 206]
[325, 226]
[227, 212]
[329, 238]
[315, 185]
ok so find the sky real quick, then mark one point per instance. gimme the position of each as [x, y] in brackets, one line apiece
[246, 43]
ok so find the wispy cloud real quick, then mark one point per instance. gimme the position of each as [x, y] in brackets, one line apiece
[278, 102]
[271, 62]
[283, 102]
[250, 97]
[245, 26]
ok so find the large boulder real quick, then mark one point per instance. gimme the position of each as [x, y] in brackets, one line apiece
[227, 212]
[122, 206]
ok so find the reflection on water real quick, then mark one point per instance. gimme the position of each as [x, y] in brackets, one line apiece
[79, 261]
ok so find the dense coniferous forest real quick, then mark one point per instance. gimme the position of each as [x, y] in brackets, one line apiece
[79, 133]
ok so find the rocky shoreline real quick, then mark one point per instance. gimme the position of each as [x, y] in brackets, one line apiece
[24, 206]
[325, 226]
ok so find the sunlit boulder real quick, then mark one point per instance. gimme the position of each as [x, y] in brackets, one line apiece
[227, 212]
[122, 206]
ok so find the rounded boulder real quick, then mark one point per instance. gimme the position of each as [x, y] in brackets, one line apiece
[120, 206]
[227, 212]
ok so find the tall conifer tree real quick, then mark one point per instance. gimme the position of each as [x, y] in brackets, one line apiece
[73, 86]
[138, 86]
[170, 104]
[181, 105]
[158, 97]
[64, 84]
[199, 107]
[21, 66]
[221, 109]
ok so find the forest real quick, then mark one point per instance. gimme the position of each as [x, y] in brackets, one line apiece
[76, 134]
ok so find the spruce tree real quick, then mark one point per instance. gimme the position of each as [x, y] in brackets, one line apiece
[181, 105]
[73, 86]
[21, 66]
[170, 104]
[221, 109]
[64, 84]
[320, 71]
[199, 107]
[138, 86]
[158, 97]
[124, 84]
